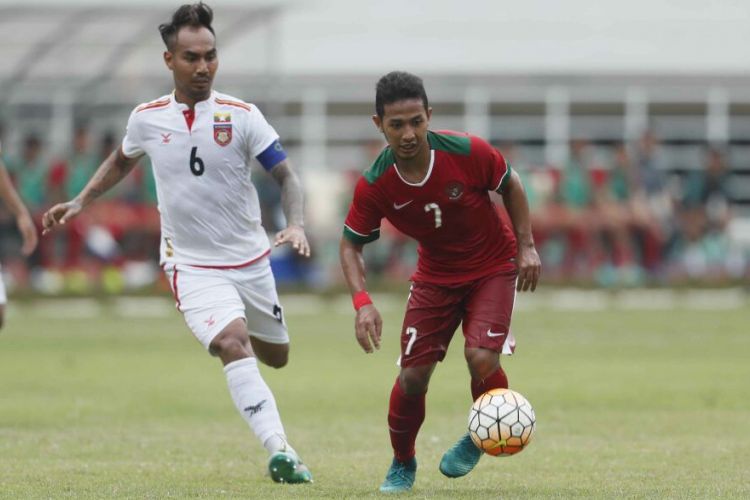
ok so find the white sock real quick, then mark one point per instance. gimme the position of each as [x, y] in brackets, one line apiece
[256, 403]
[276, 443]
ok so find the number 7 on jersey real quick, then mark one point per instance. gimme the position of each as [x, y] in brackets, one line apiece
[438, 213]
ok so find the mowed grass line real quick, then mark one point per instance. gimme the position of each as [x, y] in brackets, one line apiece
[629, 404]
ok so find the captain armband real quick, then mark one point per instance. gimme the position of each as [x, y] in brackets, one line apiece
[272, 155]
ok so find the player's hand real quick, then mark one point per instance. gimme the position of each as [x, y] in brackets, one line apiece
[60, 214]
[28, 233]
[296, 236]
[529, 268]
[368, 325]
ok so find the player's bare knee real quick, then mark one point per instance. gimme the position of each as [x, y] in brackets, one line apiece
[277, 359]
[230, 346]
[415, 380]
[413, 385]
[273, 355]
[482, 362]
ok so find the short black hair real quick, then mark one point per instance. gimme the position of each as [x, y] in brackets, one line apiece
[32, 140]
[196, 15]
[397, 86]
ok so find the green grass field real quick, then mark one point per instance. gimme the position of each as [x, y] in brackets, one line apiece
[635, 404]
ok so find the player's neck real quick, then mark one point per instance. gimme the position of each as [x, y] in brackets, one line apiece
[189, 100]
[414, 169]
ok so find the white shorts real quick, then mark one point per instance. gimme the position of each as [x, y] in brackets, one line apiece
[209, 299]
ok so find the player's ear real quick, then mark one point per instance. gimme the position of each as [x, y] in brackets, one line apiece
[168, 59]
[429, 113]
[378, 122]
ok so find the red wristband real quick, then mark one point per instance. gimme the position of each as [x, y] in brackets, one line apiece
[361, 298]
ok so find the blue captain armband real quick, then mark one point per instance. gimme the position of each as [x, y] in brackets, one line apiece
[272, 155]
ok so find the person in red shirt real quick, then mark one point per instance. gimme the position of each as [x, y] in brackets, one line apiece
[435, 187]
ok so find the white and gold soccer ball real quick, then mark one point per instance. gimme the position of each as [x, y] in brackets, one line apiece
[501, 422]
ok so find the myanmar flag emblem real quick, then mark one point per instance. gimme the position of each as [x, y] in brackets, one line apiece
[222, 117]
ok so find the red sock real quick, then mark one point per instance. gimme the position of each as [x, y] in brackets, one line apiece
[494, 381]
[405, 417]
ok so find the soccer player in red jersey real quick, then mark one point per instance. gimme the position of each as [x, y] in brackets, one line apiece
[434, 187]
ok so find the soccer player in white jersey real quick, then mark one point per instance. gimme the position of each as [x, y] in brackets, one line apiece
[23, 220]
[213, 248]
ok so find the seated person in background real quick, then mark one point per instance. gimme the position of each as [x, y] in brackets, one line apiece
[25, 225]
[30, 172]
[577, 215]
[651, 170]
[627, 199]
[706, 250]
[81, 165]
[706, 198]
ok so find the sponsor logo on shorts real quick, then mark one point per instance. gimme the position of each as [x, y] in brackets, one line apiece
[210, 321]
[490, 333]
[278, 313]
[253, 409]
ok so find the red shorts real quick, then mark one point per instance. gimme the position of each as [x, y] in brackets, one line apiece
[433, 312]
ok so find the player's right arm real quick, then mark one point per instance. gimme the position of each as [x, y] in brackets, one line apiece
[362, 226]
[110, 172]
[368, 325]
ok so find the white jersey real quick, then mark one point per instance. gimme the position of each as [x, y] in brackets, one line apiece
[210, 215]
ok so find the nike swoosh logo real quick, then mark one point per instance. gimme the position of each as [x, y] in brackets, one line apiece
[402, 205]
[490, 333]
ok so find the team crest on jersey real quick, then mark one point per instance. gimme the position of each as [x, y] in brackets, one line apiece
[223, 134]
[222, 117]
[454, 190]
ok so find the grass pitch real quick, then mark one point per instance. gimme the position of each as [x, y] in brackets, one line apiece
[636, 404]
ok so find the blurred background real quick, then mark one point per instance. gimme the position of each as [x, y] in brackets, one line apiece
[628, 122]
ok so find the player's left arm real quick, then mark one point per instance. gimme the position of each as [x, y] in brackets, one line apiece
[515, 201]
[293, 204]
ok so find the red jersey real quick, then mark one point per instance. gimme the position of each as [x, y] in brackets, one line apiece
[461, 236]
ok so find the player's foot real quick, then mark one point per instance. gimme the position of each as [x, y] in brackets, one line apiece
[461, 458]
[286, 467]
[400, 476]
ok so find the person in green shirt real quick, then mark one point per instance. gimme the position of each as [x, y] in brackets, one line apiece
[24, 222]
[82, 163]
[575, 189]
[30, 172]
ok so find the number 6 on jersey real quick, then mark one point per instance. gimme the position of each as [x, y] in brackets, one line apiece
[196, 164]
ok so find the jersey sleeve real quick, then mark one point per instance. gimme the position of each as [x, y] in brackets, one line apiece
[259, 133]
[362, 223]
[132, 145]
[493, 170]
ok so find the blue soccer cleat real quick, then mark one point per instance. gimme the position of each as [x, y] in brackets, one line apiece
[400, 477]
[286, 467]
[461, 458]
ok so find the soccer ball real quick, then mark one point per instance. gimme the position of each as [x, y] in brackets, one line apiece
[501, 422]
